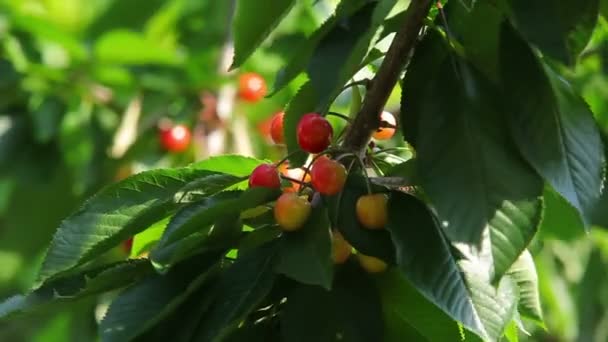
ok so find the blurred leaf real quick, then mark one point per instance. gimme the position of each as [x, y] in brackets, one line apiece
[77, 144]
[239, 290]
[466, 149]
[73, 287]
[43, 29]
[46, 117]
[565, 29]
[126, 47]
[251, 26]
[552, 126]
[124, 15]
[115, 214]
[305, 255]
[154, 298]
[399, 297]
[235, 165]
[523, 272]
[352, 310]
[144, 241]
[341, 208]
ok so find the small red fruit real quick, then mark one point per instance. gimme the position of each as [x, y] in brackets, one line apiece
[371, 264]
[372, 211]
[314, 133]
[291, 211]
[341, 249]
[127, 245]
[328, 176]
[385, 133]
[276, 128]
[252, 87]
[265, 175]
[176, 138]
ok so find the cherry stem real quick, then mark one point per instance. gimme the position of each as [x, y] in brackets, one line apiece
[342, 116]
[376, 167]
[390, 149]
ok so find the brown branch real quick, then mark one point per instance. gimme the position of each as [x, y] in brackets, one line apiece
[368, 118]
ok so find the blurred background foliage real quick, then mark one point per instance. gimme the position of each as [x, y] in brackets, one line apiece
[84, 85]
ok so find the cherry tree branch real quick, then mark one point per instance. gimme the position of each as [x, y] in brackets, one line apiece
[368, 118]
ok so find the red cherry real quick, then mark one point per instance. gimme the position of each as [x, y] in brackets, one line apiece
[265, 175]
[328, 176]
[276, 128]
[291, 211]
[314, 133]
[385, 133]
[176, 138]
[252, 87]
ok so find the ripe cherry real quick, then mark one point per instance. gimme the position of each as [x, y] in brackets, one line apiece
[372, 211]
[341, 249]
[314, 133]
[385, 133]
[291, 211]
[176, 138]
[252, 87]
[265, 175]
[328, 176]
[276, 128]
[371, 264]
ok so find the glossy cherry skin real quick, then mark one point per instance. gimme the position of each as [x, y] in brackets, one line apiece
[371, 264]
[291, 211]
[314, 133]
[176, 138]
[328, 176]
[276, 128]
[252, 87]
[265, 175]
[372, 211]
[385, 133]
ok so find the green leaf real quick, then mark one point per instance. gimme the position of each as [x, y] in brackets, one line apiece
[154, 298]
[305, 255]
[144, 241]
[127, 47]
[305, 51]
[114, 214]
[553, 127]
[424, 257]
[465, 148]
[560, 218]
[232, 164]
[125, 15]
[197, 216]
[239, 290]
[523, 272]
[342, 207]
[565, 29]
[251, 26]
[511, 333]
[77, 286]
[339, 53]
[220, 236]
[351, 310]
[399, 298]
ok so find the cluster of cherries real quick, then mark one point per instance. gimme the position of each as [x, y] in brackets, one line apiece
[177, 138]
[325, 176]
